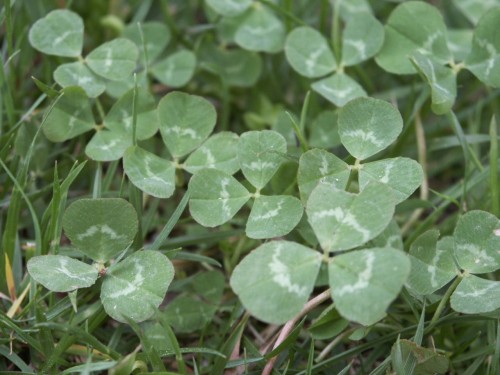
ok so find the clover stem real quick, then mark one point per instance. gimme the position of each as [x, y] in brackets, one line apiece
[444, 300]
[288, 327]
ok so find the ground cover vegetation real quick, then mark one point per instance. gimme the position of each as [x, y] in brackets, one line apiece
[247, 187]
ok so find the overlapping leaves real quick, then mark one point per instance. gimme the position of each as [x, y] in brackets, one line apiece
[217, 196]
[363, 282]
[102, 229]
[60, 33]
[473, 249]
[410, 48]
[309, 54]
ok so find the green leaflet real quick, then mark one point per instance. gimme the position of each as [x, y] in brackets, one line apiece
[484, 57]
[185, 122]
[432, 264]
[474, 9]
[277, 274]
[100, 228]
[135, 287]
[342, 220]
[119, 118]
[229, 8]
[475, 295]
[215, 197]
[261, 31]
[441, 79]
[273, 216]
[477, 240]
[319, 166]
[59, 33]
[60, 273]
[237, 67]
[114, 60]
[155, 37]
[176, 70]
[153, 175]
[364, 282]
[260, 154]
[217, 152]
[426, 361]
[404, 35]
[108, 145]
[339, 89]
[367, 126]
[195, 308]
[70, 116]
[324, 130]
[390, 237]
[308, 53]
[78, 74]
[402, 175]
[362, 38]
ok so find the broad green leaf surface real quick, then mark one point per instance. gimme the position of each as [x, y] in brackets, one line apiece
[120, 116]
[215, 197]
[136, 286]
[191, 311]
[460, 43]
[432, 264]
[228, 26]
[402, 175]
[367, 126]
[273, 216]
[275, 280]
[484, 58]
[323, 132]
[114, 60]
[60, 273]
[413, 26]
[220, 151]
[328, 325]
[70, 116]
[261, 31]
[260, 154]
[362, 38]
[117, 89]
[475, 9]
[319, 166]
[350, 8]
[153, 175]
[308, 52]
[339, 89]
[155, 37]
[78, 74]
[59, 33]
[390, 237]
[185, 121]
[187, 313]
[237, 67]
[108, 145]
[342, 220]
[475, 295]
[229, 8]
[442, 81]
[477, 242]
[176, 70]
[365, 282]
[100, 228]
[427, 361]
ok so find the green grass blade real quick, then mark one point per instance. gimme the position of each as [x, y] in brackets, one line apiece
[494, 185]
[165, 232]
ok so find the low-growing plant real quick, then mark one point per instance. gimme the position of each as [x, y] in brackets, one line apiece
[222, 217]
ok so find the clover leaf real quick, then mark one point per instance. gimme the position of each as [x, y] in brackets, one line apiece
[364, 282]
[274, 275]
